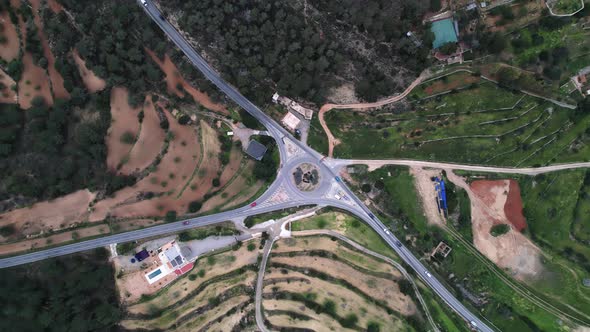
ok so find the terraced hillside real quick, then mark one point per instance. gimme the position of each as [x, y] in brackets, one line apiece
[217, 295]
[322, 284]
[461, 119]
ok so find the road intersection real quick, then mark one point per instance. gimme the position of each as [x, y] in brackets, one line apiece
[283, 193]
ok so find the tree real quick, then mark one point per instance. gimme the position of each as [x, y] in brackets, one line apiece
[194, 206]
[366, 187]
[216, 182]
[448, 48]
[170, 216]
[583, 106]
[7, 230]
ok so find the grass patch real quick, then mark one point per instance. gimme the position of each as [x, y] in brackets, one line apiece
[223, 229]
[470, 126]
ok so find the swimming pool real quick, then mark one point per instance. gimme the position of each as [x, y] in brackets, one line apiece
[155, 274]
[444, 32]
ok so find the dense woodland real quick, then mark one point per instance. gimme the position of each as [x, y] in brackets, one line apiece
[74, 293]
[265, 45]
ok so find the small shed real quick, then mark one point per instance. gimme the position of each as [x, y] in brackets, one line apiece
[256, 150]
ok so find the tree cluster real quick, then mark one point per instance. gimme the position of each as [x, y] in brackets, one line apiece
[65, 294]
[47, 152]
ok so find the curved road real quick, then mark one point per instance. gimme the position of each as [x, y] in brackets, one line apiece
[270, 200]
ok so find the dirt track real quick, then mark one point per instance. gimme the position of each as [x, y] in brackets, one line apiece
[332, 141]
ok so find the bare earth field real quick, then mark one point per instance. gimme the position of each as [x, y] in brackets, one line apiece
[92, 82]
[7, 95]
[149, 143]
[63, 212]
[512, 251]
[424, 186]
[34, 82]
[124, 120]
[9, 51]
[174, 78]
[55, 6]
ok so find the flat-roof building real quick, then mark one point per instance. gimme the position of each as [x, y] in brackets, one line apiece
[256, 150]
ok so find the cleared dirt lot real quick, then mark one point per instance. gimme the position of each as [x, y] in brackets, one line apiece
[123, 120]
[60, 213]
[511, 251]
[54, 239]
[9, 50]
[92, 82]
[425, 187]
[149, 143]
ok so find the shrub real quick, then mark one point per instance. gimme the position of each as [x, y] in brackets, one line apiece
[366, 187]
[7, 230]
[251, 246]
[192, 277]
[349, 321]
[216, 182]
[170, 216]
[500, 229]
[379, 184]
[194, 206]
[127, 138]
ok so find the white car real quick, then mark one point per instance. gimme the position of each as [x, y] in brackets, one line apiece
[428, 274]
[144, 3]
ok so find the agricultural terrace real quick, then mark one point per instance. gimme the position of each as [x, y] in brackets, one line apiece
[478, 282]
[305, 274]
[565, 7]
[321, 249]
[480, 123]
[217, 294]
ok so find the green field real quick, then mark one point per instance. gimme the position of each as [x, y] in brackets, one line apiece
[469, 126]
[506, 309]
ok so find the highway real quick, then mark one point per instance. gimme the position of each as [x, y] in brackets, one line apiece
[268, 201]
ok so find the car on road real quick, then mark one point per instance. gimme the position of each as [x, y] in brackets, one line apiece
[474, 324]
[371, 215]
[186, 222]
[398, 244]
[144, 3]
[386, 231]
[253, 204]
[161, 17]
[428, 274]
[338, 179]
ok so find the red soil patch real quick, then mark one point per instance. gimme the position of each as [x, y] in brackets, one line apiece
[57, 81]
[57, 214]
[173, 172]
[92, 82]
[173, 78]
[513, 207]
[149, 143]
[8, 51]
[55, 6]
[484, 189]
[7, 95]
[34, 82]
[124, 119]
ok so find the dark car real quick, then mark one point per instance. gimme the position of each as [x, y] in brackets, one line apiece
[371, 215]
[186, 222]
[398, 244]
[161, 17]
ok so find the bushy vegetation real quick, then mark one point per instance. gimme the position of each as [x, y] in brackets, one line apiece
[67, 294]
[47, 152]
[206, 231]
[270, 43]
[499, 229]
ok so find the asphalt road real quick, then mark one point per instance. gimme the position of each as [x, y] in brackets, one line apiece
[266, 203]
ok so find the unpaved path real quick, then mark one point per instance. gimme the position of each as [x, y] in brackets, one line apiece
[332, 141]
[9, 50]
[7, 94]
[425, 188]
